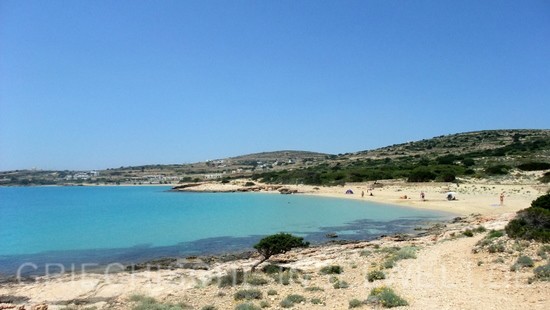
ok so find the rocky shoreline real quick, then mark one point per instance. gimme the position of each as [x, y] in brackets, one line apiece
[206, 187]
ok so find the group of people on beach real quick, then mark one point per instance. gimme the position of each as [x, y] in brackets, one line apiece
[423, 196]
[363, 193]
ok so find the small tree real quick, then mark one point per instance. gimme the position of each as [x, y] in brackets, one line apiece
[277, 244]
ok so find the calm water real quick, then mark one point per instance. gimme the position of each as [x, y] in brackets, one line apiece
[126, 224]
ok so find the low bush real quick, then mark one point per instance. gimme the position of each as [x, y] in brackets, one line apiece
[542, 273]
[397, 254]
[209, 307]
[543, 251]
[525, 261]
[365, 253]
[479, 229]
[334, 269]
[232, 278]
[149, 303]
[468, 233]
[534, 166]
[290, 300]
[271, 269]
[522, 262]
[314, 289]
[495, 234]
[497, 170]
[385, 297]
[376, 275]
[317, 301]
[248, 294]
[282, 278]
[256, 280]
[532, 223]
[247, 306]
[272, 292]
[355, 303]
[264, 304]
[407, 252]
[340, 284]
[497, 247]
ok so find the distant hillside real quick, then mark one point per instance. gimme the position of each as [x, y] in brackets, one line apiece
[281, 156]
[483, 154]
[461, 143]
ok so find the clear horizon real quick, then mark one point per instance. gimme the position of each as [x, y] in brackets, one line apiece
[102, 84]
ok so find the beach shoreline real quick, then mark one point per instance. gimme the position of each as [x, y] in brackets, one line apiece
[446, 266]
[472, 197]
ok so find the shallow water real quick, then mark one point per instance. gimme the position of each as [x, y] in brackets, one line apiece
[128, 224]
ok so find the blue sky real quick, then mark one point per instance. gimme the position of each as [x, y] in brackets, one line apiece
[99, 84]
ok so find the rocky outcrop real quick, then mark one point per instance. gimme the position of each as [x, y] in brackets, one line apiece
[287, 191]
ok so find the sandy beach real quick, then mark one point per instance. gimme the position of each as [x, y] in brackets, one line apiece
[446, 273]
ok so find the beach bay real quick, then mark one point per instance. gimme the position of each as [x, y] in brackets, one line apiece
[102, 225]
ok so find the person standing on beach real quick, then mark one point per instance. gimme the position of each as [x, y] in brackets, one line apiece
[502, 198]
[422, 196]
[362, 194]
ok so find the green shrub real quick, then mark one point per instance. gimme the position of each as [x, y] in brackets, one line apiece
[397, 254]
[525, 261]
[545, 178]
[272, 292]
[365, 253]
[282, 278]
[389, 263]
[496, 248]
[286, 303]
[264, 304]
[495, 234]
[468, 233]
[149, 303]
[543, 251]
[317, 301]
[542, 273]
[499, 260]
[290, 300]
[247, 306]
[314, 289]
[534, 166]
[271, 269]
[421, 174]
[385, 297]
[497, 170]
[340, 284]
[532, 223]
[295, 298]
[209, 307]
[407, 252]
[479, 229]
[249, 184]
[542, 202]
[248, 294]
[256, 280]
[334, 269]
[375, 275]
[232, 278]
[355, 303]
[388, 250]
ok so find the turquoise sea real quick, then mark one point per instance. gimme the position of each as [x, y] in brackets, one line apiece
[75, 225]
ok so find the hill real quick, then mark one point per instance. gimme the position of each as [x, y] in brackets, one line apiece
[482, 154]
[491, 153]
